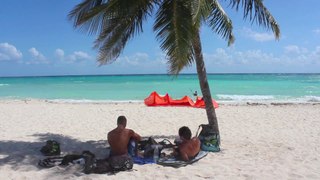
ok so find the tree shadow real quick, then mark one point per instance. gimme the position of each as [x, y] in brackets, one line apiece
[26, 155]
[23, 154]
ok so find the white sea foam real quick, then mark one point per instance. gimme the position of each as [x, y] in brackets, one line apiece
[225, 97]
[312, 98]
[266, 98]
[84, 101]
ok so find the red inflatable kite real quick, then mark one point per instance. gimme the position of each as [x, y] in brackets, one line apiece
[156, 100]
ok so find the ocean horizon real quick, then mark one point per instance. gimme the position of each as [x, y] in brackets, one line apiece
[225, 87]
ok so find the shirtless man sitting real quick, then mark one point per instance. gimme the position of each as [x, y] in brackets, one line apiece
[188, 148]
[120, 137]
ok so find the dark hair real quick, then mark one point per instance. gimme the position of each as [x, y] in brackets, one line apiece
[185, 132]
[122, 120]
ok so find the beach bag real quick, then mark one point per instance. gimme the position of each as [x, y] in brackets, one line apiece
[52, 148]
[72, 159]
[210, 141]
[93, 165]
[61, 161]
[148, 147]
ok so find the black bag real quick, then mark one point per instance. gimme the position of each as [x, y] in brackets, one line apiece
[101, 166]
[91, 164]
[148, 146]
[52, 148]
[70, 159]
[210, 140]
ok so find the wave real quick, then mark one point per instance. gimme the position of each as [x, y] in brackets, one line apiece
[4, 84]
[267, 98]
[312, 98]
[89, 101]
[71, 101]
[244, 97]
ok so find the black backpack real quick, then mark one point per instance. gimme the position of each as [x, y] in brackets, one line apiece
[52, 148]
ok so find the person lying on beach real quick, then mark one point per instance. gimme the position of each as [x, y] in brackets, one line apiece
[188, 147]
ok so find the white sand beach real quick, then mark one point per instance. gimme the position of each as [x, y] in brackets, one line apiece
[258, 141]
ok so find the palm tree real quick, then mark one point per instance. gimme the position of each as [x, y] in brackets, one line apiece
[177, 27]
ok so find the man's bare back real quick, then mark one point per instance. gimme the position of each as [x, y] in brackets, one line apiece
[120, 137]
[188, 149]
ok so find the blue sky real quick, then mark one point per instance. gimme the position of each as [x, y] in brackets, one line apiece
[36, 39]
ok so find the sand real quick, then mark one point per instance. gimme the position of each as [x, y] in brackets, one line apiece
[259, 141]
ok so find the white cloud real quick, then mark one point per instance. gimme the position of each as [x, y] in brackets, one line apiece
[293, 59]
[294, 49]
[59, 53]
[317, 31]
[234, 58]
[77, 56]
[315, 56]
[142, 62]
[9, 52]
[220, 56]
[317, 50]
[138, 59]
[261, 37]
[37, 57]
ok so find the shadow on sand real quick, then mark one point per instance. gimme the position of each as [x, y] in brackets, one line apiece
[23, 154]
[20, 154]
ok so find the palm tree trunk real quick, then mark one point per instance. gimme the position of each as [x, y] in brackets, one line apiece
[204, 85]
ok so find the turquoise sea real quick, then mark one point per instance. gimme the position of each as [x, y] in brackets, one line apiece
[224, 87]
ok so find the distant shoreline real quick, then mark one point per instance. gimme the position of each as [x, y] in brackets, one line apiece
[160, 74]
[101, 102]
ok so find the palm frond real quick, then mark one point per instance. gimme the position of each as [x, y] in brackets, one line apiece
[174, 29]
[257, 12]
[88, 15]
[112, 41]
[219, 21]
[200, 11]
[116, 21]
